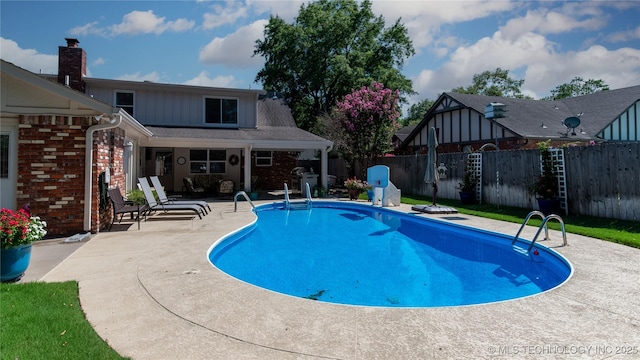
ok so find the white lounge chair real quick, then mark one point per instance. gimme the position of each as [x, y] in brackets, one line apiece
[154, 205]
[163, 199]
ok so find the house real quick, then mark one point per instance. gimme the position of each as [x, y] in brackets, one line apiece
[460, 122]
[117, 131]
[56, 143]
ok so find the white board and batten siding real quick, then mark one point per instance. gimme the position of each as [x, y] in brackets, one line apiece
[154, 106]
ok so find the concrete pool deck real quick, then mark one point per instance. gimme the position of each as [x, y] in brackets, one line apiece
[152, 294]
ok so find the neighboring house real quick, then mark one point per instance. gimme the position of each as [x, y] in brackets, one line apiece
[54, 134]
[399, 137]
[611, 115]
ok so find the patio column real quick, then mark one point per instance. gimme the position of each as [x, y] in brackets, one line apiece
[247, 167]
[324, 167]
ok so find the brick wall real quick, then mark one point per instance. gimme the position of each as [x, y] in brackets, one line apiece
[273, 177]
[51, 166]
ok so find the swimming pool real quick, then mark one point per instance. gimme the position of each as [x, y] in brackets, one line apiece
[356, 254]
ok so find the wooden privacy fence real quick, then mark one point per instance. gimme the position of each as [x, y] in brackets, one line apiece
[602, 180]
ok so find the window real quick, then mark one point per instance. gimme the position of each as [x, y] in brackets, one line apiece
[263, 158]
[124, 100]
[221, 111]
[208, 161]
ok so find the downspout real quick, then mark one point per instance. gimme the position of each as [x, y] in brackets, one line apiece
[116, 120]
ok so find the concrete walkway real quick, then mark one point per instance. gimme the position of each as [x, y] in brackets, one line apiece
[152, 294]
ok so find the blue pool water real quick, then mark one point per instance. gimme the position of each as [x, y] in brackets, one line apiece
[357, 254]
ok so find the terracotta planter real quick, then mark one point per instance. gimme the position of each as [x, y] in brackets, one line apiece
[354, 194]
[14, 262]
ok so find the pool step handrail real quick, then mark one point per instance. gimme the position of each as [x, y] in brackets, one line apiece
[246, 197]
[290, 205]
[545, 220]
[526, 220]
[544, 224]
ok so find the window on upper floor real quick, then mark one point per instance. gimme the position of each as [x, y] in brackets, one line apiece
[124, 100]
[221, 111]
[208, 161]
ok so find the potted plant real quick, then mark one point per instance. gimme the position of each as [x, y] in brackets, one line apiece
[546, 185]
[355, 187]
[19, 231]
[468, 185]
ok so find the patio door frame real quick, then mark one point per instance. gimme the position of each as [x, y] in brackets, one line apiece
[8, 185]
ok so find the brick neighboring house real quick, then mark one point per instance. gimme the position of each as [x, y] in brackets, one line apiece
[56, 129]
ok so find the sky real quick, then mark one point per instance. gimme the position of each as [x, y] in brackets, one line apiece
[211, 43]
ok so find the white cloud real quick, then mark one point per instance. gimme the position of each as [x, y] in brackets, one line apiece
[423, 19]
[543, 67]
[622, 36]
[618, 68]
[544, 21]
[88, 29]
[219, 81]
[287, 10]
[99, 61]
[29, 59]
[146, 22]
[152, 76]
[222, 15]
[135, 22]
[236, 49]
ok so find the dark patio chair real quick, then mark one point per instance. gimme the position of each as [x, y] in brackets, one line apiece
[121, 207]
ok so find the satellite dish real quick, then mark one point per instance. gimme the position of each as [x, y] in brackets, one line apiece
[572, 122]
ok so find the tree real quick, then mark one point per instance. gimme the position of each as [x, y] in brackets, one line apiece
[332, 47]
[496, 83]
[366, 120]
[577, 87]
[416, 112]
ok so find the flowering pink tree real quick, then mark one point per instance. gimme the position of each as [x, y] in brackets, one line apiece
[366, 119]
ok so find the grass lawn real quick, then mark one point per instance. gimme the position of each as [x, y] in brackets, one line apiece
[619, 231]
[44, 321]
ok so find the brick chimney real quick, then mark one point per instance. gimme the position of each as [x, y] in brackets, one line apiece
[72, 65]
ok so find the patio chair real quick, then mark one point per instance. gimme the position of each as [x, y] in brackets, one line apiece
[120, 207]
[164, 199]
[191, 189]
[155, 206]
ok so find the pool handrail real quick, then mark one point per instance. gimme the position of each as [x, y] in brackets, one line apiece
[526, 220]
[545, 219]
[288, 203]
[235, 200]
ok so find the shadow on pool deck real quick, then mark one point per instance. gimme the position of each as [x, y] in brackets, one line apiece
[153, 294]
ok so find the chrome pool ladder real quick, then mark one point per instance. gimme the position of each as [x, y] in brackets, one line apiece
[545, 219]
[246, 197]
[291, 205]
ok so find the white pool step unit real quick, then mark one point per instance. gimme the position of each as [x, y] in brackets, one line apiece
[387, 196]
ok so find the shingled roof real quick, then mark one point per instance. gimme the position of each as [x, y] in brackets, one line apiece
[526, 117]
